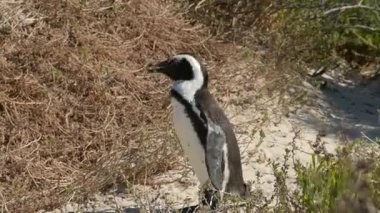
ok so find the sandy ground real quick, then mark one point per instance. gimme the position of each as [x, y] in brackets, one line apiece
[342, 108]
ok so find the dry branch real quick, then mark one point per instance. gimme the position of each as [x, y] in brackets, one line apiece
[64, 128]
[349, 7]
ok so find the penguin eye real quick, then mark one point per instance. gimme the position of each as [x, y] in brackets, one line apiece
[172, 61]
[168, 62]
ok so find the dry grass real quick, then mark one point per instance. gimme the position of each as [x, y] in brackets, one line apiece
[77, 110]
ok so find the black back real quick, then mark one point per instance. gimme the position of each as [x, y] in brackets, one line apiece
[208, 105]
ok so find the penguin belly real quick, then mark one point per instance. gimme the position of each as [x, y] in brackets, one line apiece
[190, 142]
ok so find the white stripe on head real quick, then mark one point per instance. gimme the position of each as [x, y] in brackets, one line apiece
[188, 88]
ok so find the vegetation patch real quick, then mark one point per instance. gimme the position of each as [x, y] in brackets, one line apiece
[77, 110]
[345, 182]
[308, 33]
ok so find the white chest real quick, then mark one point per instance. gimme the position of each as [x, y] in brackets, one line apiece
[189, 141]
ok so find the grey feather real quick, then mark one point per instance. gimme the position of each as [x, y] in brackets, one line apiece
[215, 155]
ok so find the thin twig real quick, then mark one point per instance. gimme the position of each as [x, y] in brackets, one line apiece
[341, 9]
[368, 138]
[359, 26]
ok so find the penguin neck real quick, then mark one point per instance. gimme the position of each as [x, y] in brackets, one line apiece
[188, 88]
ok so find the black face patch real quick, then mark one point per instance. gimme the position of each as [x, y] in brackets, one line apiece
[181, 70]
[178, 69]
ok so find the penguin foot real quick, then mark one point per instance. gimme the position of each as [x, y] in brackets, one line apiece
[190, 209]
[210, 199]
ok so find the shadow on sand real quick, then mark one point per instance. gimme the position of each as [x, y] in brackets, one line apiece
[351, 109]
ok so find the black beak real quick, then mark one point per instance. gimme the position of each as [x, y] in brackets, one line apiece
[153, 67]
[157, 67]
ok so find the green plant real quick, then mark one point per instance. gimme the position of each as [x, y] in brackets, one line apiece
[305, 32]
[322, 181]
[345, 182]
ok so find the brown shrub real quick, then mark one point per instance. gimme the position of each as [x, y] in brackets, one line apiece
[77, 110]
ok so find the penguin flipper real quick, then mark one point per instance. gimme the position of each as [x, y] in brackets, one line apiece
[215, 161]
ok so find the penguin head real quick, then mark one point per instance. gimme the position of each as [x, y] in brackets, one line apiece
[181, 67]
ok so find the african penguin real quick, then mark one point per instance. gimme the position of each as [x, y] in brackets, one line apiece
[204, 131]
